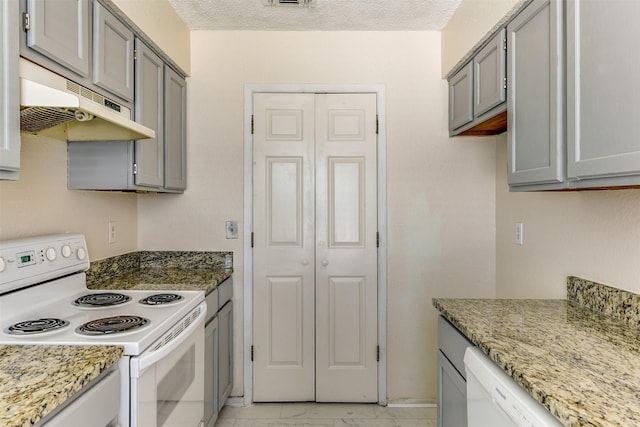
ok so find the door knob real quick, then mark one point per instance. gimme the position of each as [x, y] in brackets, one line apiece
[325, 262]
[305, 262]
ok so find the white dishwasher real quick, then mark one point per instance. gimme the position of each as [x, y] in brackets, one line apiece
[495, 400]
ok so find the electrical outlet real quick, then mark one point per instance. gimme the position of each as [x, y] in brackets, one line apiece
[232, 229]
[519, 240]
[113, 232]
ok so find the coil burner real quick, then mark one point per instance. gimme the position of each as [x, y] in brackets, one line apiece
[112, 325]
[161, 299]
[36, 326]
[101, 299]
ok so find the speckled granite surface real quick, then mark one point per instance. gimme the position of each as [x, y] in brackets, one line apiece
[34, 380]
[604, 299]
[582, 365]
[162, 270]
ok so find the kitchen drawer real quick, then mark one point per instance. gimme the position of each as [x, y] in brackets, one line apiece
[225, 292]
[452, 343]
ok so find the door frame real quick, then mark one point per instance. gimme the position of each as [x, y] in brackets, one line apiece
[249, 91]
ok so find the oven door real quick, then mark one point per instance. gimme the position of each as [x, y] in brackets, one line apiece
[167, 381]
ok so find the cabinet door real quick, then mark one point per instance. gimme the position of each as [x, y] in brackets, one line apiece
[535, 95]
[149, 110]
[452, 395]
[112, 53]
[10, 96]
[603, 106]
[211, 337]
[225, 353]
[489, 72]
[461, 97]
[59, 30]
[175, 104]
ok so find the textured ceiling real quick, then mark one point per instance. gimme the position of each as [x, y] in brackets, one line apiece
[326, 15]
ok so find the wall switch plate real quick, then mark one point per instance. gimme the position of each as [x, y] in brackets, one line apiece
[519, 240]
[232, 229]
[113, 232]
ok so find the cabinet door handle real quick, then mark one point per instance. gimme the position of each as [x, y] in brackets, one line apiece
[325, 262]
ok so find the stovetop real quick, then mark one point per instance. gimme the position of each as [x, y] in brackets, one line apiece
[67, 301]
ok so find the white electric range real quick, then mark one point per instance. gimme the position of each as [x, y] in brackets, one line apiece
[44, 301]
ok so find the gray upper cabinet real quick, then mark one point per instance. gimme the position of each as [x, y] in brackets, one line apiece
[113, 45]
[603, 88]
[155, 164]
[535, 103]
[82, 41]
[596, 144]
[149, 153]
[490, 75]
[59, 33]
[10, 96]
[477, 92]
[175, 104]
[461, 98]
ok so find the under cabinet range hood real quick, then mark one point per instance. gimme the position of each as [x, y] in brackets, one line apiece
[48, 99]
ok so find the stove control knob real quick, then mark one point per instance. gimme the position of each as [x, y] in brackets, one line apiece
[82, 253]
[66, 251]
[3, 264]
[51, 254]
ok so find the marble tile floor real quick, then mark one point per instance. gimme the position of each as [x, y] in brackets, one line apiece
[326, 414]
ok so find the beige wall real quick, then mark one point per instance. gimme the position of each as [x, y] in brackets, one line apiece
[470, 23]
[440, 191]
[159, 21]
[590, 234]
[39, 202]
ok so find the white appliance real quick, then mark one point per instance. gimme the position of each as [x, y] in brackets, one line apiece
[48, 99]
[495, 400]
[42, 285]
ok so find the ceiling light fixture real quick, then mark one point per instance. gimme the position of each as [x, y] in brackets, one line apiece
[307, 3]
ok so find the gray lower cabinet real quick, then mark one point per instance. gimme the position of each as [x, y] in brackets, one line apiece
[211, 339]
[477, 92]
[535, 100]
[596, 144]
[218, 353]
[225, 353]
[113, 51]
[452, 385]
[175, 106]
[10, 97]
[452, 395]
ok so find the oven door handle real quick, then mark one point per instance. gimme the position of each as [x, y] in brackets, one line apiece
[139, 364]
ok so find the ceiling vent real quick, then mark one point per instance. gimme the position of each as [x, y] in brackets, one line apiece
[307, 3]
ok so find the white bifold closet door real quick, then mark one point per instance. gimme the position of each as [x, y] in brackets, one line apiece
[315, 248]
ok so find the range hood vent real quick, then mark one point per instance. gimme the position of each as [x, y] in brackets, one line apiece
[47, 100]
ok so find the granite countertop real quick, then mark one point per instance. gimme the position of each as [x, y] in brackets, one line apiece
[161, 270]
[580, 364]
[168, 279]
[36, 379]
